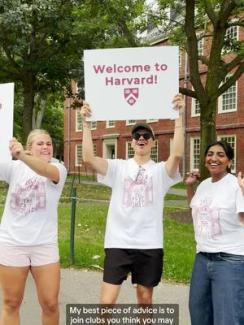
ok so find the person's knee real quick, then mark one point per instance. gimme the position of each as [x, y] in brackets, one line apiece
[49, 306]
[108, 300]
[144, 297]
[12, 304]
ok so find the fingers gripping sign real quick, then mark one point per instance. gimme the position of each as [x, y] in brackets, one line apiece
[15, 148]
[178, 103]
[85, 111]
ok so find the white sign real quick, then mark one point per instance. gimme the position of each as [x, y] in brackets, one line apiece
[132, 83]
[6, 119]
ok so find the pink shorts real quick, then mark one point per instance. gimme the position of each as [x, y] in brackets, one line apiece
[19, 256]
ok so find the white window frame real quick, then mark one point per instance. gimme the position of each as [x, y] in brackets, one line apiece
[200, 45]
[192, 158]
[93, 125]
[193, 107]
[78, 123]
[129, 147]
[155, 148]
[77, 162]
[220, 101]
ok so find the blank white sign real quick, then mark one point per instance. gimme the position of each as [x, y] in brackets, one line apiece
[6, 119]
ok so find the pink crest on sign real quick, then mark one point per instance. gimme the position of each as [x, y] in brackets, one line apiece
[131, 95]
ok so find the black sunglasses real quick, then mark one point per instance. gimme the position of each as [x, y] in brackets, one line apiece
[137, 135]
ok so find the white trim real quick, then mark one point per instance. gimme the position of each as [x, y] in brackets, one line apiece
[152, 121]
[192, 151]
[127, 148]
[109, 142]
[220, 101]
[93, 125]
[193, 108]
[76, 155]
[77, 112]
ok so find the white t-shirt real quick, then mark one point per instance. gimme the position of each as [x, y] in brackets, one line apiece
[30, 213]
[136, 208]
[215, 208]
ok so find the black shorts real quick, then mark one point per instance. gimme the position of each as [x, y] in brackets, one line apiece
[145, 265]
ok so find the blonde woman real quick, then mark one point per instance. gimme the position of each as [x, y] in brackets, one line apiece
[28, 230]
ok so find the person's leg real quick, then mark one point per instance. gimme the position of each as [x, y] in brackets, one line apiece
[144, 295]
[146, 272]
[200, 301]
[109, 293]
[47, 279]
[228, 290]
[12, 280]
[116, 267]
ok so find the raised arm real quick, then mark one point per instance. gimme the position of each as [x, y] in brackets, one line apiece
[40, 166]
[98, 164]
[172, 163]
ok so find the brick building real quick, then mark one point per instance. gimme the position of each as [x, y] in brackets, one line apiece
[112, 139]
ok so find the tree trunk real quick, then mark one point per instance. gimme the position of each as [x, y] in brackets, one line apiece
[29, 95]
[207, 132]
[38, 112]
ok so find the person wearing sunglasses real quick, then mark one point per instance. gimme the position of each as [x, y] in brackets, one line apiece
[134, 232]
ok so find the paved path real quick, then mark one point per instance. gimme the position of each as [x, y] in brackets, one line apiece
[83, 287]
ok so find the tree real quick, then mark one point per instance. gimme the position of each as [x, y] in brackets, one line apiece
[38, 48]
[212, 19]
[41, 43]
[107, 24]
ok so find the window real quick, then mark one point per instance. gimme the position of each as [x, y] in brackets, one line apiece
[129, 150]
[232, 33]
[231, 39]
[93, 125]
[78, 122]
[195, 107]
[228, 101]
[110, 124]
[130, 122]
[78, 155]
[231, 139]
[200, 46]
[154, 152]
[194, 153]
[94, 149]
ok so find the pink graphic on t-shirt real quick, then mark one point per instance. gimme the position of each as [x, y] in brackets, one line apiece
[138, 192]
[206, 220]
[29, 197]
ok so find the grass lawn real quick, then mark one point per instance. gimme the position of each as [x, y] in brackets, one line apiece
[179, 243]
[89, 233]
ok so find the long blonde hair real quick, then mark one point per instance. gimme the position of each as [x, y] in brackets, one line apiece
[32, 135]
